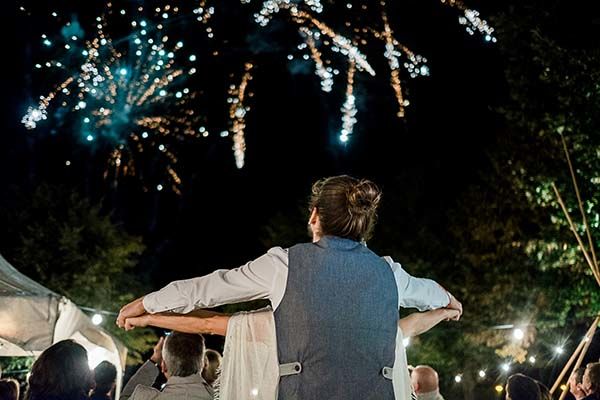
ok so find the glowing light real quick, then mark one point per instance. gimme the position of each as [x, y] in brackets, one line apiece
[481, 374]
[97, 319]
[159, 187]
[193, 58]
[145, 135]
[96, 356]
[67, 163]
[505, 367]
[559, 350]
[254, 392]
[518, 334]
[123, 71]
[563, 387]
[532, 360]
[458, 378]
[499, 388]
[89, 138]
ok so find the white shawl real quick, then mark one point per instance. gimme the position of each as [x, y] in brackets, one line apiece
[250, 368]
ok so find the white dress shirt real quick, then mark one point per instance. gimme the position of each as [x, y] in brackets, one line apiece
[266, 278]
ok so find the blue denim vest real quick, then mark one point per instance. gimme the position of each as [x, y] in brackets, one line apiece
[338, 318]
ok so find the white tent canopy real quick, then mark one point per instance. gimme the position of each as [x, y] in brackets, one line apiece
[32, 318]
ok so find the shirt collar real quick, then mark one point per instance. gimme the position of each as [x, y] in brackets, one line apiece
[178, 380]
[336, 242]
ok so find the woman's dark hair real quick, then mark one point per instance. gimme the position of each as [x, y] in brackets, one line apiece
[9, 389]
[522, 387]
[61, 372]
[105, 375]
[347, 207]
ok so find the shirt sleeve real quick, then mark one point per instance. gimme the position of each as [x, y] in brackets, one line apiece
[420, 293]
[263, 278]
[144, 377]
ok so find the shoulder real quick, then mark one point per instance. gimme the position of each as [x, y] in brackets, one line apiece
[142, 392]
[278, 253]
[275, 257]
[394, 265]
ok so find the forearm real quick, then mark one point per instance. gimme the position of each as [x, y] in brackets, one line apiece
[417, 323]
[195, 322]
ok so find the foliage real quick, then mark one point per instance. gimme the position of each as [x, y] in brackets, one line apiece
[62, 240]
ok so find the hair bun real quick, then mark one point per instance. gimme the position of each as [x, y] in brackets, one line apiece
[363, 198]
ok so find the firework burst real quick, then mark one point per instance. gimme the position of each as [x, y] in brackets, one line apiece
[126, 97]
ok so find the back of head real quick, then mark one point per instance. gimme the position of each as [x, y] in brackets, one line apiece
[591, 379]
[347, 207]
[577, 375]
[183, 354]
[9, 389]
[425, 379]
[105, 375]
[211, 366]
[522, 387]
[60, 371]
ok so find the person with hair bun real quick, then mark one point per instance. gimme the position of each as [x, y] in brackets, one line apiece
[335, 301]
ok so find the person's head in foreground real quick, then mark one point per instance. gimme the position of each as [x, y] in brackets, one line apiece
[9, 389]
[343, 206]
[425, 381]
[591, 379]
[61, 372]
[522, 387]
[212, 364]
[105, 376]
[575, 383]
[182, 354]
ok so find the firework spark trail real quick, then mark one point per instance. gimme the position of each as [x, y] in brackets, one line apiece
[322, 72]
[349, 107]
[392, 55]
[472, 20]
[237, 115]
[345, 45]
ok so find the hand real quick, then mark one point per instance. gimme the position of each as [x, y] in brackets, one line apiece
[157, 352]
[133, 309]
[452, 314]
[137, 322]
[455, 305]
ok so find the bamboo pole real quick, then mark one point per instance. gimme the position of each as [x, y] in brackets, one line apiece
[568, 365]
[581, 209]
[579, 241]
[588, 341]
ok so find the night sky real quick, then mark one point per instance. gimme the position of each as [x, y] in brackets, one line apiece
[430, 156]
